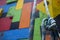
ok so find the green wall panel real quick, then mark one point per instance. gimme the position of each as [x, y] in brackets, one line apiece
[37, 33]
[8, 1]
[15, 13]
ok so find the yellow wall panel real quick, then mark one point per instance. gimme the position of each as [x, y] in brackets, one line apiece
[19, 4]
[1, 11]
[56, 7]
[41, 7]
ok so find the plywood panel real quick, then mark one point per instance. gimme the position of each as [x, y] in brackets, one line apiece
[25, 17]
[56, 7]
[6, 7]
[14, 25]
[15, 13]
[19, 4]
[37, 28]
[2, 2]
[1, 11]
[27, 1]
[16, 34]
[41, 7]
[5, 23]
[9, 1]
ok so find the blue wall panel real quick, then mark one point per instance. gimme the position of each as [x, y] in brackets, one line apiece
[6, 7]
[15, 34]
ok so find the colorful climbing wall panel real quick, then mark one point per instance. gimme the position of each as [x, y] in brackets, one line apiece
[15, 13]
[1, 10]
[27, 1]
[2, 2]
[19, 20]
[37, 26]
[19, 4]
[6, 7]
[10, 1]
[56, 7]
[15, 34]
[5, 23]
[25, 17]
[41, 7]
[53, 6]
[14, 25]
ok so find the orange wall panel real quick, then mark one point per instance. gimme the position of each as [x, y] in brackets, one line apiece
[25, 17]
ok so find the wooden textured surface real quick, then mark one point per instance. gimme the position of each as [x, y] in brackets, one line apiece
[25, 17]
[15, 13]
[1, 11]
[41, 7]
[56, 7]
[5, 23]
[19, 4]
[2, 2]
[37, 30]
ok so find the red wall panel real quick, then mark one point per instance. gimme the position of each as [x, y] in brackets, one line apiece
[2, 2]
[5, 23]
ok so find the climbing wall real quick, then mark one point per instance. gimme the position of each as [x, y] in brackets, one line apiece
[16, 16]
[15, 19]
